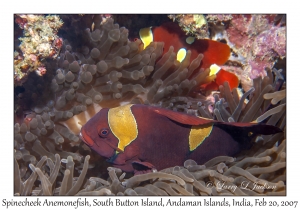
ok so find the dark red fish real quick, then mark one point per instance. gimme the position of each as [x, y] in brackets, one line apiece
[140, 138]
[172, 35]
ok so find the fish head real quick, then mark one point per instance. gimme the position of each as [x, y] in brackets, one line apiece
[98, 136]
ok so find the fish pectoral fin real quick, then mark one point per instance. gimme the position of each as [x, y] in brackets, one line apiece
[142, 167]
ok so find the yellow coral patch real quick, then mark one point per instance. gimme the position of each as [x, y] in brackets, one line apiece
[198, 134]
[200, 20]
[181, 54]
[146, 36]
[123, 125]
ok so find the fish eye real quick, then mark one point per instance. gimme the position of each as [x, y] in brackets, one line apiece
[104, 132]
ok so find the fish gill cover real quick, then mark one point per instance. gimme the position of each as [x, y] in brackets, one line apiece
[70, 71]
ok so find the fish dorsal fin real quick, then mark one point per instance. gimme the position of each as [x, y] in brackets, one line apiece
[183, 118]
[249, 128]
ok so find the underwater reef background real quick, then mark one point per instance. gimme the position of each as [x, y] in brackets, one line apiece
[68, 67]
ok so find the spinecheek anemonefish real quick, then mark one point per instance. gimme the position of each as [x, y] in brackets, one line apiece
[141, 138]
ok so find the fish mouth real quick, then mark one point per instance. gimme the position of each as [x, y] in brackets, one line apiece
[87, 141]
